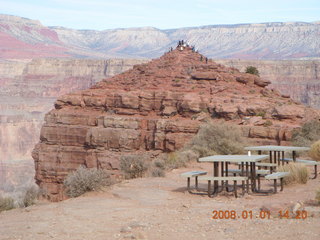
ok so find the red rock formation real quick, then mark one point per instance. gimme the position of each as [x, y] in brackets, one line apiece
[156, 107]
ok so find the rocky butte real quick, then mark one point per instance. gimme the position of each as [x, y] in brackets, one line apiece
[157, 107]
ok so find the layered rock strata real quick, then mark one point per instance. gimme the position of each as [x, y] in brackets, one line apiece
[157, 107]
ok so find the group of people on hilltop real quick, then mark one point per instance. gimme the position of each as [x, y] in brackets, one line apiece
[183, 44]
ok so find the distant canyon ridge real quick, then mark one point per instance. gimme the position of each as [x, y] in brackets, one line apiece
[25, 38]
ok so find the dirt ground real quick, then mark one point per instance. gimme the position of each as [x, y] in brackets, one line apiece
[161, 208]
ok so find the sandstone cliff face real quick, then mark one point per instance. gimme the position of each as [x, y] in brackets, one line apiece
[156, 107]
[298, 79]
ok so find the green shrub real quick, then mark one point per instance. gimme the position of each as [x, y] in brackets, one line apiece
[315, 151]
[133, 166]
[307, 134]
[30, 196]
[218, 138]
[6, 203]
[299, 173]
[84, 180]
[252, 70]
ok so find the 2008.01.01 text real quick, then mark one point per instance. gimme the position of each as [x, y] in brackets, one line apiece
[248, 214]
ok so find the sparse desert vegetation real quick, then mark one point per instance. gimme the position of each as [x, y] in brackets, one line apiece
[84, 180]
[315, 151]
[30, 196]
[6, 203]
[299, 173]
[307, 134]
[252, 70]
[134, 166]
[158, 168]
[218, 138]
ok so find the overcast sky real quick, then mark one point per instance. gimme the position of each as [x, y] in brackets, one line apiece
[163, 14]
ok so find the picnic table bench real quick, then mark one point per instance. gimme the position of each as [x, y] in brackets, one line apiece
[224, 181]
[194, 174]
[275, 176]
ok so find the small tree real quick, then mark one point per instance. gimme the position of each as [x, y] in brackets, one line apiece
[252, 70]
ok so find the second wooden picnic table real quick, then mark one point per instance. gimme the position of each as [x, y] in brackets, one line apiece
[225, 160]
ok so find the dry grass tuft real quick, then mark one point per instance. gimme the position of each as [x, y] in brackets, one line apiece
[84, 180]
[299, 173]
[315, 151]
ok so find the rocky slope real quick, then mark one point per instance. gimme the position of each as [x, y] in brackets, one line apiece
[25, 38]
[298, 79]
[157, 107]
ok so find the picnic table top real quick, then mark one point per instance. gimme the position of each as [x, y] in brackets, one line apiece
[276, 148]
[234, 158]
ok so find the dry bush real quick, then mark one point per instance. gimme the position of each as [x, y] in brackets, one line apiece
[318, 196]
[84, 180]
[307, 134]
[30, 196]
[299, 173]
[6, 203]
[134, 166]
[315, 151]
[157, 172]
[218, 138]
[158, 168]
[159, 163]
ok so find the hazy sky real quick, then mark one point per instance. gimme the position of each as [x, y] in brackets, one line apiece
[163, 14]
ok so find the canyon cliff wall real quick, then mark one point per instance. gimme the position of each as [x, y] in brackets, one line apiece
[28, 90]
[298, 79]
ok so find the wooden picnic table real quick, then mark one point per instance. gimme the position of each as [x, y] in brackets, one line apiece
[274, 152]
[225, 160]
